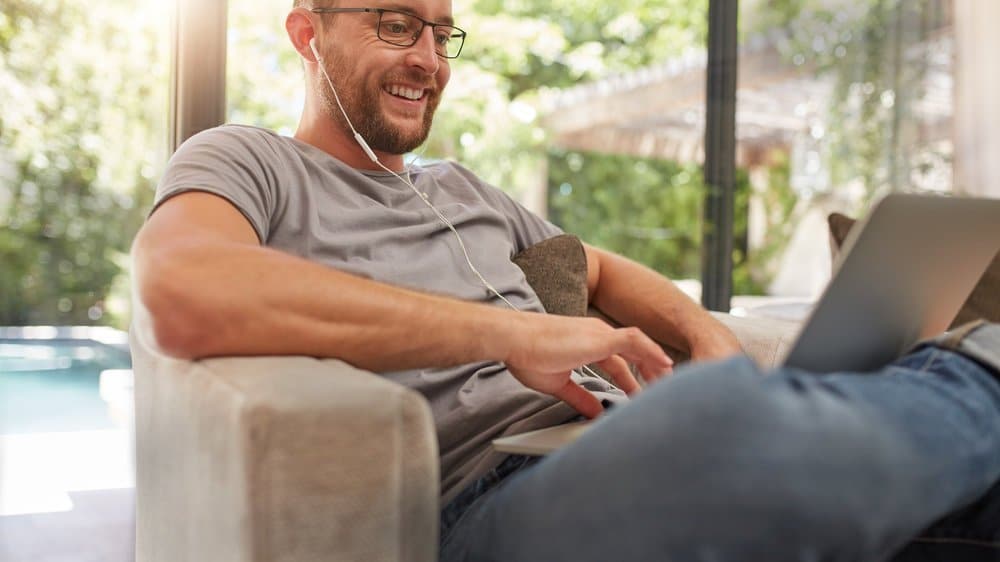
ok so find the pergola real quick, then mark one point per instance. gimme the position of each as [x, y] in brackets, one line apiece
[659, 111]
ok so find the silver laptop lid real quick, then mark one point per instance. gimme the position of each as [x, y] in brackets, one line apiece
[903, 276]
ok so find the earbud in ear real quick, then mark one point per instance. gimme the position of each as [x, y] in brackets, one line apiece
[357, 136]
[312, 45]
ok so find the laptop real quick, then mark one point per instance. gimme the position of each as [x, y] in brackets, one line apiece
[902, 276]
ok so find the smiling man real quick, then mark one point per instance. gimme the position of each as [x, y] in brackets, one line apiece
[392, 94]
[326, 244]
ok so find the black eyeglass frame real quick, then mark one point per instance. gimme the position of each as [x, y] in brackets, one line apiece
[461, 34]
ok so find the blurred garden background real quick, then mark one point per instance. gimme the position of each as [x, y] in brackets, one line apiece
[587, 111]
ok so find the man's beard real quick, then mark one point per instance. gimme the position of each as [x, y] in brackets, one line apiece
[367, 117]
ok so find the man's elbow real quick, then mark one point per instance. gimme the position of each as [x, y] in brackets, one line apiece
[174, 326]
[177, 340]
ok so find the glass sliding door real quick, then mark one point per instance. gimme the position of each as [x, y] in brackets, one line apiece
[839, 103]
[83, 140]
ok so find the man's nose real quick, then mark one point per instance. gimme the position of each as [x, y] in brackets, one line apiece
[424, 53]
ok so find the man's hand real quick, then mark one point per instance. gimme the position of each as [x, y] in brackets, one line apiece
[634, 295]
[546, 348]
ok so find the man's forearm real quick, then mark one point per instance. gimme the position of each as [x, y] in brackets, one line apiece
[256, 301]
[209, 299]
[634, 295]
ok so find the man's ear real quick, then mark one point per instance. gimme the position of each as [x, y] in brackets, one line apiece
[301, 27]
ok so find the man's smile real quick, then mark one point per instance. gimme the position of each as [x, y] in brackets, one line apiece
[412, 94]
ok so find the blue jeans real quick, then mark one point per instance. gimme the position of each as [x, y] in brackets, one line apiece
[719, 463]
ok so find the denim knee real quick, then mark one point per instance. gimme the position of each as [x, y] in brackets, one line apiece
[717, 461]
[792, 455]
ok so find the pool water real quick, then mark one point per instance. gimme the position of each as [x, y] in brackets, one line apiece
[51, 386]
[59, 437]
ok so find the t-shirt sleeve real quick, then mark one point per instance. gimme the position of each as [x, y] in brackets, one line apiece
[526, 228]
[231, 162]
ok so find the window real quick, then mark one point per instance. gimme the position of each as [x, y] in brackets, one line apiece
[81, 145]
[83, 140]
[264, 76]
[839, 103]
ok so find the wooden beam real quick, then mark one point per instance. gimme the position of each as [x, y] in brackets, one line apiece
[198, 77]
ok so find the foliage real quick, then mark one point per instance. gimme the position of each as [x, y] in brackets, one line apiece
[520, 51]
[877, 53]
[561, 43]
[264, 79]
[80, 144]
[650, 210]
[778, 202]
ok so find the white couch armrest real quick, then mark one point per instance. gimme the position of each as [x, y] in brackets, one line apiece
[281, 458]
[765, 340]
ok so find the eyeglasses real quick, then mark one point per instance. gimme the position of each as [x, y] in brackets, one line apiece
[404, 30]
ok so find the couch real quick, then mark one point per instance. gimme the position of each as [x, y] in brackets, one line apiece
[270, 459]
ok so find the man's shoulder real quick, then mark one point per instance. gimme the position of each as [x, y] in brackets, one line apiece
[238, 135]
[240, 145]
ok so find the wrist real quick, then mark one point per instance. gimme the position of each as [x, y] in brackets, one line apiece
[713, 339]
[495, 331]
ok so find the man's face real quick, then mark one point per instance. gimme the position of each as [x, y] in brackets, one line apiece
[389, 92]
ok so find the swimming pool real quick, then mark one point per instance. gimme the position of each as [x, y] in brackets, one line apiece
[50, 378]
[66, 434]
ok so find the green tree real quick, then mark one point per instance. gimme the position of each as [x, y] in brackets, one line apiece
[264, 76]
[650, 210]
[82, 136]
[520, 52]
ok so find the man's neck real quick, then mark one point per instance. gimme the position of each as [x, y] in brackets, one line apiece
[339, 143]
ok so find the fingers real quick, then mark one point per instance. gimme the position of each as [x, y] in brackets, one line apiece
[618, 370]
[655, 374]
[581, 400]
[649, 358]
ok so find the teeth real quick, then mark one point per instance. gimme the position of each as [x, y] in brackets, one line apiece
[405, 92]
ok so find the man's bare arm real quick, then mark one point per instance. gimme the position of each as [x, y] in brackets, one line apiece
[635, 295]
[212, 290]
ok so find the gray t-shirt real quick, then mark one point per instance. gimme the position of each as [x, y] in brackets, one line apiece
[302, 201]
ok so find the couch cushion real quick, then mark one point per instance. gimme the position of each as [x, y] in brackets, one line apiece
[983, 303]
[557, 270]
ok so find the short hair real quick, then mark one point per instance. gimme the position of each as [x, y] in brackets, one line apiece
[314, 3]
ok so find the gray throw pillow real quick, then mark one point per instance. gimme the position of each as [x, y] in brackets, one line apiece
[557, 270]
[983, 303]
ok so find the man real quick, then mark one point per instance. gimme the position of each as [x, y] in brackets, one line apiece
[326, 244]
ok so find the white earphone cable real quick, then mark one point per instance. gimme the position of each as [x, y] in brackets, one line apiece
[422, 196]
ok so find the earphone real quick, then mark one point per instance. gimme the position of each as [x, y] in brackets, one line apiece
[357, 135]
[423, 196]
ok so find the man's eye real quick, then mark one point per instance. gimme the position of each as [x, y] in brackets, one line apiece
[442, 38]
[395, 27]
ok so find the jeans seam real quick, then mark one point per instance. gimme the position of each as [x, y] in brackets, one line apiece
[934, 355]
[973, 542]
